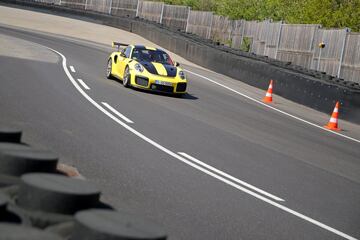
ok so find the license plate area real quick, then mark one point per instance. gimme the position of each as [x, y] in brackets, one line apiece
[163, 83]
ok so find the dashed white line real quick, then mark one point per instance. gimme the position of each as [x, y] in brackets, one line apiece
[184, 160]
[117, 113]
[231, 177]
[72, 69]
[83, 84]
[273, 108]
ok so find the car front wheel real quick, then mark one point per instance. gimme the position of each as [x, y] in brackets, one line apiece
[109, 69]
[126, 78]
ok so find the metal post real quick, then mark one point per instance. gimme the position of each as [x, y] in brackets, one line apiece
[86, 3]
[267, 30]
[243, 23]
[319, 58]
[278, 40]
[235, 28]
[312, 47]
[137, 8]
[346, 30]
[187, 20]
[210, 28]
[111, 1]
[231, 32]
[162, 12]
[60, 2]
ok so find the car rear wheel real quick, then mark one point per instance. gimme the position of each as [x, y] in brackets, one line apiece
[108, 69]
[126, 78]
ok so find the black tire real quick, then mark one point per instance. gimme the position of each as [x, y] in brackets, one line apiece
[108, 69]
[126, 77]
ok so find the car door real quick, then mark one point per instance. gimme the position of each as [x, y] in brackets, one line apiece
[123, 60]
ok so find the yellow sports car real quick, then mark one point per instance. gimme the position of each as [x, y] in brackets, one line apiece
[146, 68]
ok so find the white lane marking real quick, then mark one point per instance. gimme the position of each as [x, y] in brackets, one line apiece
[83, 84]
[231, 177]
[117, 113]
[184, 160]
[72, 69]
[273, 108]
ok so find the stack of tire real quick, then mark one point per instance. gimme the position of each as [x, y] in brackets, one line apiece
[38, 202]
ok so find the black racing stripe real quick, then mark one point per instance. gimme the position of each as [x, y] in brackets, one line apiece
[171, 70]
[149, 67]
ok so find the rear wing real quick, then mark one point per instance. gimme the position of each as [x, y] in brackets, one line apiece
[119, 45]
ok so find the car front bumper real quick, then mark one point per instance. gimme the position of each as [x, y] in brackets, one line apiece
[159, 84]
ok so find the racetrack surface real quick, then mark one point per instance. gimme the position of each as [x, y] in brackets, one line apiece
[315, 172]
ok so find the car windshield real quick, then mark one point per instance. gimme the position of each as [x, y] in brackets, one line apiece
[148, 55]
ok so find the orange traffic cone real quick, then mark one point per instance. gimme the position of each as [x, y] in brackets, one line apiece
[333, 122]
[268, 96]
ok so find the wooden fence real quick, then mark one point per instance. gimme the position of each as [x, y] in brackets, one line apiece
[350, 67]
[175, 17]
[102, 6]
[296, 44]
[126, 8]
[200, 23]
[152, 11]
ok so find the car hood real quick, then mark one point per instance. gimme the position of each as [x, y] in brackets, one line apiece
[159, 68]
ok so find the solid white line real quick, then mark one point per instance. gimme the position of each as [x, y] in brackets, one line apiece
[231, 177]
[273, 108]
[116, 112]
[72, 69]
[184, 160]
[83, 84]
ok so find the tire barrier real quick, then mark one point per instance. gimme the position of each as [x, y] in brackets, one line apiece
[10, 135]
[18, 162]
[114, 225]
[304, 86]
[48, 193]
[13, 231]
[38, 202]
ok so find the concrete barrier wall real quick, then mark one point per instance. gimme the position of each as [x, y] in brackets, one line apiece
[307, 87]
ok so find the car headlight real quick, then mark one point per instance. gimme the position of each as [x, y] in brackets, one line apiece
[138, 67]
[182, 75]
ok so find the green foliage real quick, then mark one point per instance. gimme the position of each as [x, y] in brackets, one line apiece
[246, 44]
[203, 5]
[329, 13]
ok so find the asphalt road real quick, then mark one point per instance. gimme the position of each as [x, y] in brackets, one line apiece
[141, 166]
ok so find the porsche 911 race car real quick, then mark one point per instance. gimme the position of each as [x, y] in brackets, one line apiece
[146, 68]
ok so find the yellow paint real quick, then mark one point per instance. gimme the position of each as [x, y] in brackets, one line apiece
[160, 69]
[150, 48]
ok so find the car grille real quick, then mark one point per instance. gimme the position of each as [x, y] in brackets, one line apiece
[141, 81]
[162, 88]
[181, 87]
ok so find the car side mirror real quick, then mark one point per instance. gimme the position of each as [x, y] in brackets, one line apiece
[176, 64]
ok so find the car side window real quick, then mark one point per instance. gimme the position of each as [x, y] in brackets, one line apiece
[127, 52]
